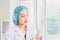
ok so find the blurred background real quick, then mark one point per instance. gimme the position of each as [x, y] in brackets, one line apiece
[53, 19]
[4, 17]
[44, 15]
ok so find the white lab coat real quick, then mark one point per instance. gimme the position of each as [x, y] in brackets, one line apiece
[16, 34]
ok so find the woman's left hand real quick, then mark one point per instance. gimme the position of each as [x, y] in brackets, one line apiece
[36, 37]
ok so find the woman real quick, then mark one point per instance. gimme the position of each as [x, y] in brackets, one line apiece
[21, 31]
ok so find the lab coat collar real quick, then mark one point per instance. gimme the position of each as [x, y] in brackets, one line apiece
[18, 31]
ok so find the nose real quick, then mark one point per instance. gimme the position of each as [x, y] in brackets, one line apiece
[26, 18]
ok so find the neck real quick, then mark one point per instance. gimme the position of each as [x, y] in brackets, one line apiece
[23, 28]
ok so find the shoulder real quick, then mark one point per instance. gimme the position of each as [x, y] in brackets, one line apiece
[10, 31]
[9, 35]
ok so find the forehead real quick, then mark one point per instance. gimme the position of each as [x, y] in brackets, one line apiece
[24, 12]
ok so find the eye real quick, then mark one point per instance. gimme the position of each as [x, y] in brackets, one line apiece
[22, 16]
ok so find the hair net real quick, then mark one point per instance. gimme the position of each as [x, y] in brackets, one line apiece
[17, 12]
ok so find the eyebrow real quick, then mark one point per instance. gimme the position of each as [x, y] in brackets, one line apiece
[22, 14]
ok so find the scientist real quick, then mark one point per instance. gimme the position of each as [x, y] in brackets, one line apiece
[21, 31]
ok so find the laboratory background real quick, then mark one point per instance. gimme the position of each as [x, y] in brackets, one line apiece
[43, 14]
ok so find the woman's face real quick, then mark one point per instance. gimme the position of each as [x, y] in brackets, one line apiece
[23, 18]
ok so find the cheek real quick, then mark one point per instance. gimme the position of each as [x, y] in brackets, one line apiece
[21, 20]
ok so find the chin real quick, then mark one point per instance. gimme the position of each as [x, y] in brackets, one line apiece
[25, 24]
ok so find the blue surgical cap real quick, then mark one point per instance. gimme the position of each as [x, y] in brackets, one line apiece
[16, 14]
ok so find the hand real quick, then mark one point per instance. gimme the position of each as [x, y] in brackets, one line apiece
[36, 37]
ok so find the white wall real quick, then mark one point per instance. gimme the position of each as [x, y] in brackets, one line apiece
[4, 10]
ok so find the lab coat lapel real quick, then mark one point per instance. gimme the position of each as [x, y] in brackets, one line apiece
[18, 33]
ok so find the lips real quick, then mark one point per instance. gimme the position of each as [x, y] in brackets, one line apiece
[25, 21]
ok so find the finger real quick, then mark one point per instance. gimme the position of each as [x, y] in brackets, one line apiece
[37, 38]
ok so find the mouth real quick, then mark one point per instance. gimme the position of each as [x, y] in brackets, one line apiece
[25, 21]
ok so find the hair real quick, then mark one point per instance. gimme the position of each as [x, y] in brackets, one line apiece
[17, 12]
